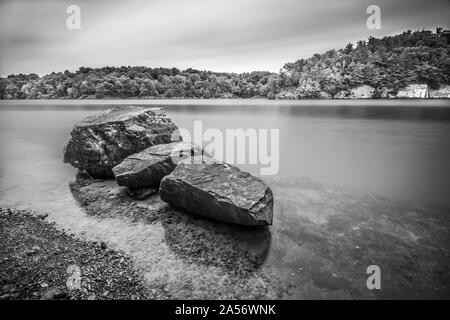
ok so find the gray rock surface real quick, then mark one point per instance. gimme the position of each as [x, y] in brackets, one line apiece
[218, 191]
[148, 167]
[100, 142]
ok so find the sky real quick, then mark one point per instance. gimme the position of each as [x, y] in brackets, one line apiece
[225, 35]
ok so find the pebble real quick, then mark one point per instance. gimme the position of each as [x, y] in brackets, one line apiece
[43, 216]
[97, 257]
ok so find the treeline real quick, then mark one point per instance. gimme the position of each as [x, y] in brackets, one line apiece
[386, 64]
[128, 82]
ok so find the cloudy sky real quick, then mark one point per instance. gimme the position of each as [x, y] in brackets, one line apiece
[225, 35]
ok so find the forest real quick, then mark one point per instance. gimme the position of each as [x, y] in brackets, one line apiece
[386, 64]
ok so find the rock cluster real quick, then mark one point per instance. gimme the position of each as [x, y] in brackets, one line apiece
[133, 144]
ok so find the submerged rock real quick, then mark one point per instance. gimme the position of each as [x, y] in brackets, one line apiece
[102, 141]
[141, 193]
[218, 191]
[148, 167]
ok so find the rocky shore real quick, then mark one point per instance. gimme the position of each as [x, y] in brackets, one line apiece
[186, 256]
[143, 150]
[321, 242]
[37, 260]
[319, 245]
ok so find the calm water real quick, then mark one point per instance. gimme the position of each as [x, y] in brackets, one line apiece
[395, 149]
[355, 186]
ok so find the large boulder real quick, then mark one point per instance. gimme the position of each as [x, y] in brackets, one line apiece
[148, 167]
[102, 141]
[218, 191]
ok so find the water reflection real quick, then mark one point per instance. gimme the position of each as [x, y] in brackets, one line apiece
[408, 109]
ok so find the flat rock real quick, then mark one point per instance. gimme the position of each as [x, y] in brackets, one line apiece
[100, 142]
[148, 167]
[218, 191]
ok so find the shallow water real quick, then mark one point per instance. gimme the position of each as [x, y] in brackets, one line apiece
[395, 150]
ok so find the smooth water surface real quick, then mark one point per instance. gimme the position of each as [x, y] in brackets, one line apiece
[393, 150]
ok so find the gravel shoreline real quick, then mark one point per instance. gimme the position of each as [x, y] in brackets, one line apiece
[37, 260]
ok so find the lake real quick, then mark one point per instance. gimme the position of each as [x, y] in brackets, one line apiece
[334, 155]
[396, 149]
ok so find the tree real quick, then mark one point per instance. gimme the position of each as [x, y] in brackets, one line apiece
[348, 48]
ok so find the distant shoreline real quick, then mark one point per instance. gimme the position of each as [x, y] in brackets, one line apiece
[397, 102]
[226, 99]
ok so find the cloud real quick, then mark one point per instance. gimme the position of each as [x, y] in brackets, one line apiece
[232, 35]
